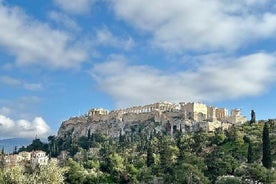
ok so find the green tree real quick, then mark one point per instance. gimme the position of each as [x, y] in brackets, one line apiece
[83, 142]
[219, 138]
[14, 175]
[200, 141]
[256, 174]
[186, 173]
[228, 180]
[220, 163]
[1, 176]
[53, 149]
[166, 155]
[75, 174]
[145, 175]
[253, 117]
[37, 144]
[249, 153]
[48, 174]
[89, 134]
[150, 158]
[118, 168]
[266, 160]
[2, 159]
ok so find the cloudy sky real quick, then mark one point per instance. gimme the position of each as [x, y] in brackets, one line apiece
[59, 58]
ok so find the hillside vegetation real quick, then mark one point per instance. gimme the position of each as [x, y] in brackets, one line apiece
[230, 156]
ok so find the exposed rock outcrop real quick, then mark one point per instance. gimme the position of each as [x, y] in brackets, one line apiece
[113, 124]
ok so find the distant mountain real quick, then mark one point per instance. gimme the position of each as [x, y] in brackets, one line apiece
[9, 144]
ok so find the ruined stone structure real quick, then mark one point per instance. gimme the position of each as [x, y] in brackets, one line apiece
[197, 112]
[160, 116]
[211, 113]
[97, 111]
[236, 116]
[221, 113]
[201, 112]
[159, 106]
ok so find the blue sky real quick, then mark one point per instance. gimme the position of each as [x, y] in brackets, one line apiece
[59, 58]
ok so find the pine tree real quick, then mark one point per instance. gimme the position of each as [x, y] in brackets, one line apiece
[267, 161]
[249, 153]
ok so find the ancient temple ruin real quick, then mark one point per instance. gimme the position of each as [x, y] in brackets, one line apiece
[207, 117]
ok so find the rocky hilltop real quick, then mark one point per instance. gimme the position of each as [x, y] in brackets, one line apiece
[115, 124]
[162, 116]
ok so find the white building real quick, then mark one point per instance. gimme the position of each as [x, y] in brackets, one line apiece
[39, 158]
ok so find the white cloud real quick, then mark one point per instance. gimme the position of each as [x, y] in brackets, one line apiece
[23, 128]
[212, 81]
[200, 25]
[106, 38]
[75, 6]
[63, 19]
[20, 83]
[20, 108]
[33, 42]
[5, 111]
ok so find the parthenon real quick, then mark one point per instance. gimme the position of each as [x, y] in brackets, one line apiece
[159, 106]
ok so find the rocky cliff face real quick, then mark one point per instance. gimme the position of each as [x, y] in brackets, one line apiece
[115, 123]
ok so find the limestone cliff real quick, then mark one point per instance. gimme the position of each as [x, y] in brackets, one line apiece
[114, 123]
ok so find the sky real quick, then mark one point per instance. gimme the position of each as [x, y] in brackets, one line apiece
[59, 58]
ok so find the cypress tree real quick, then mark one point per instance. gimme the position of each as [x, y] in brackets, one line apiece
[266, 160]
[180, 146]
[165, 155]
[121, 137]
[253, 117]
[2, 159]
[89, 134]
[249, 153]
[150, 158]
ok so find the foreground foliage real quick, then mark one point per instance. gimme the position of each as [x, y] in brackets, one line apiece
[46, 174]
[231, 156]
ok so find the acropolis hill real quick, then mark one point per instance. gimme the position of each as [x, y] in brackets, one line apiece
[161, 116]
